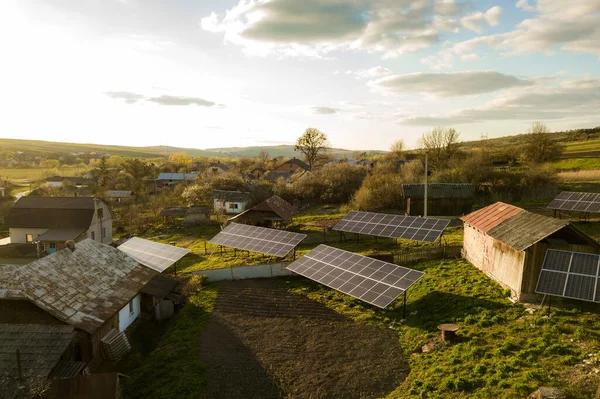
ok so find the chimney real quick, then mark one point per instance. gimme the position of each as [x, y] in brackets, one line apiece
[71, 245]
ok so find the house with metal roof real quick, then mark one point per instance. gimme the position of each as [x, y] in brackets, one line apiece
[443, 199]
[274, 211]
[172, 179]
[230, 202]
[509, 243]
[52, 221]
[119, 196]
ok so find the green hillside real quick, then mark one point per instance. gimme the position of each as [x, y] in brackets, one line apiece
[44, 148]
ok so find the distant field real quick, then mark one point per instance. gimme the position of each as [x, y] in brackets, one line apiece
[580, 176]
[577, 163]
[50, 147]
[575, 147]
[35, 173]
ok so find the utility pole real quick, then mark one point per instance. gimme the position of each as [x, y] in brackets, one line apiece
[425, 196]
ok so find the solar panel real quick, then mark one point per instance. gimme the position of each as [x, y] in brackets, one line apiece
[258, 239]
[394, 226]
[571, 275]
[571, 201]
[152, 254]
[374, 281]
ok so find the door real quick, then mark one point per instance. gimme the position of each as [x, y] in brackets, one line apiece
[51, 247]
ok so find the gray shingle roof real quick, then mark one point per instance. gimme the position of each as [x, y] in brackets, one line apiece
[84, 287]
[439, 191]
[231, 196]
[40, 348]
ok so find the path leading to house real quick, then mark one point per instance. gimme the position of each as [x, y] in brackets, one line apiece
[265, 342]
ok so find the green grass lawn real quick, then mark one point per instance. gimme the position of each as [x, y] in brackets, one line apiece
[577, 163]
[35, 174]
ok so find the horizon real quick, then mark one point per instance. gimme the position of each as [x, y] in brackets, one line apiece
[259, 72]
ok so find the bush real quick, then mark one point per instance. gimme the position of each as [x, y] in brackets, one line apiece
[193, 285]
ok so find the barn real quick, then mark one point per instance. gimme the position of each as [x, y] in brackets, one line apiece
[443, 199]
[509, 244]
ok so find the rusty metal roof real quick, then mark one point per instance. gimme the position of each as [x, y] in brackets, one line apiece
[487, 218]
[40, 348]
[524, 229]
[84, 287]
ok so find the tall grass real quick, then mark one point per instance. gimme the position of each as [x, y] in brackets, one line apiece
[580, 176]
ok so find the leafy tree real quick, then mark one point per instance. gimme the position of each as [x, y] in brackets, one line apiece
[50, 163]
[103, 172]
[540, 147]
[139, 170]
[396, 150]
[441, 145]
[313, 144]
[182, 161]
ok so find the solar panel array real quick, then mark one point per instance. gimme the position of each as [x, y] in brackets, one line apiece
[152, 254]
[394, 226]
[374, 281]
[570, 275]
[570, 201]
[258, 239]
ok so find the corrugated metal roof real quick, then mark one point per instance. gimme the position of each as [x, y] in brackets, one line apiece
[84, 287]
[486, 218]
[439, 191]
[40, 347]
[118, 193]
[177, 176]
[62, 234]
[231, 196]
[524, 229]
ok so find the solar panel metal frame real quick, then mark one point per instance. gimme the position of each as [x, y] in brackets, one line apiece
[258, 239]
[371, 280]
[576, 201]
[154, 255]
[570, 274]
[392, 226]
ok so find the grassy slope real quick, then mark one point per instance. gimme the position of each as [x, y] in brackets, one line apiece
[503, 351]
[174, 369]
[40, 147]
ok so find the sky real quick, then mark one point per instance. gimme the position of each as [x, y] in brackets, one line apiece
[207, 73]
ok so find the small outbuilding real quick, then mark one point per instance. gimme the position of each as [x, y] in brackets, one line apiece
[199, 214]
[119, 196]
[272, 212]
[232, 202]
[443, 199]
[509, 244]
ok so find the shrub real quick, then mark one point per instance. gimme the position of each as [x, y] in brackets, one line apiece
[193, 285]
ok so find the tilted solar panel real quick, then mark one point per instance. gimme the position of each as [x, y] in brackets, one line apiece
[152, 254]
[393, 226]
[258, 239]
[374, 281]
[570, 275]
[572, 201]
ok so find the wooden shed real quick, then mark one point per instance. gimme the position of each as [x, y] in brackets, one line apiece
[509, 244]
[443, 199]
[272, 212]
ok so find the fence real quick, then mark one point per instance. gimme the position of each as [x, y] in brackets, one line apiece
[441, 252]
[244, 272]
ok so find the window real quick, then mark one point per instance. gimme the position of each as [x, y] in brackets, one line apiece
[52, 245]
[233, 206]
[100, 212]
[131, 309]
[93, 236]
[104, 232]
[29, 238]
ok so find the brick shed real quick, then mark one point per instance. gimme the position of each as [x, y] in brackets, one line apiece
[509, 244]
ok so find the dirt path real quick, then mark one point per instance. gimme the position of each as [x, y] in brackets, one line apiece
[264, 342]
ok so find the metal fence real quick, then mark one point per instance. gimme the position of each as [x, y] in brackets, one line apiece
[430, 253]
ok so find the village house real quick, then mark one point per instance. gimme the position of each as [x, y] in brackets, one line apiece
[272, 212]
[509, 244]
[52, 221]
[119, 196]
[217, 168]
[256, 173]
[230, 202]
[287, 169]
[172, 179]
[443, 199]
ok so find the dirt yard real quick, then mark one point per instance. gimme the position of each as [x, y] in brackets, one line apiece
[264, 342]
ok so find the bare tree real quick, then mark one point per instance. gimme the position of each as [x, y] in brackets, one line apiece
[441, 145]
[263, 157]
[540, 147]
[396, 149]
[313, 144]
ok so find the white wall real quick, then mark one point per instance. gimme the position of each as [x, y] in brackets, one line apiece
[244, 272]
[54, 183]
[97, 224]
[125, 317]
[219, 204]
[17, 235]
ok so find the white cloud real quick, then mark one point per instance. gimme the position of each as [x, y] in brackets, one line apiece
[524, 5]
[374, 72]
[291, 27]
[449, 84]
[492, 16]
[325, 110]
[574, 28]
[573, 99]
[474, 21]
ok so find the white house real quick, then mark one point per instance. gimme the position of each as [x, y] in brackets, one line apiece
[216, 168]
[52, 221]
[232, 202]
